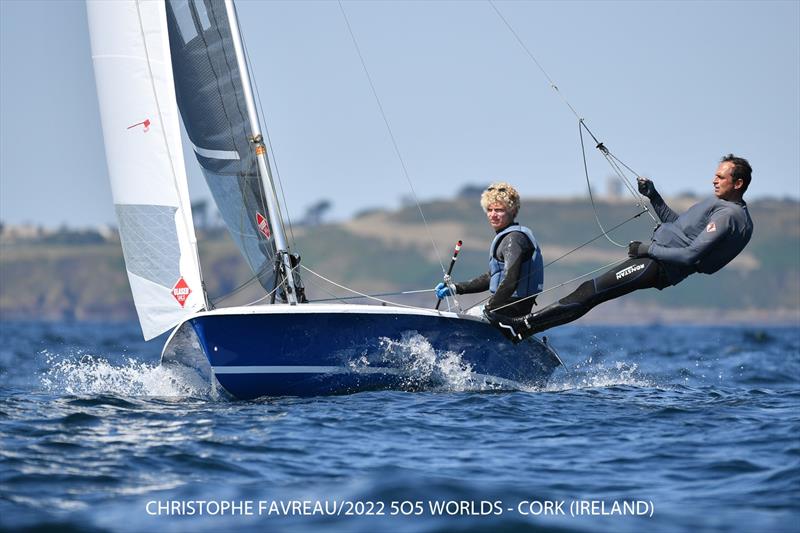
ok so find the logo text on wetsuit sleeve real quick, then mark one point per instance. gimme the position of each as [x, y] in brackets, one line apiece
[629, 270]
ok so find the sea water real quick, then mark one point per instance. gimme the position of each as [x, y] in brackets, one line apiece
[644, 429]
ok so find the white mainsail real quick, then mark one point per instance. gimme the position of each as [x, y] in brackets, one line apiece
[141, 129]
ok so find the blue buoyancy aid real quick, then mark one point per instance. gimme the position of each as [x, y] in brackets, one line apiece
[531, 274]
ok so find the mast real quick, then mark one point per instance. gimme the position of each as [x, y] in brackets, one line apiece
[273, 210]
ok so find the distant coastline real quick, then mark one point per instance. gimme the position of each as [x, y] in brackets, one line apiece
[79, 274]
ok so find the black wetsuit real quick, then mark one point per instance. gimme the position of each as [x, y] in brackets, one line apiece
[703, 239]
[514, 249]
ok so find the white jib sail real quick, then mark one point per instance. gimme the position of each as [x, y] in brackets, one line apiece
[141, 129]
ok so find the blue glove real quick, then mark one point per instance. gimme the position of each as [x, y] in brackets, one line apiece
[442, 290]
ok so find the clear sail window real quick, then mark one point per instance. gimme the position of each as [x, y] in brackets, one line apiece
[202, 14]
[183, 15]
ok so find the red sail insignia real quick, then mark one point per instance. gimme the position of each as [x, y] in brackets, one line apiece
[263, 226]
[145, 125]
[181, 291]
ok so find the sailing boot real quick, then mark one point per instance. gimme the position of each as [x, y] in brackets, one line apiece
[553, 315]
[504, 324]
[571, 307]
[517, 329]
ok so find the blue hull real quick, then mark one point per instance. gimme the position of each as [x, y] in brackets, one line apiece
[325, 352]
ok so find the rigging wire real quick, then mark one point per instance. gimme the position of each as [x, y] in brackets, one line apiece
[283, 282]
[615, 164]
[594, 207]
[334, 297]
[395, 293]
[562, 256]
[554, 287]
[591, 196]
[391, 134]
[240, 287]
[582, 125]
[533, 58]
[357, 292]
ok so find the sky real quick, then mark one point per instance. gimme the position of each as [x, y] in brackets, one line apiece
[669, 87]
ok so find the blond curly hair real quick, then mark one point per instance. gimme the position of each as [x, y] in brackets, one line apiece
[501, 192]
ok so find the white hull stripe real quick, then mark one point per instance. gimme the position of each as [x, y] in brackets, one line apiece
[216, 154]
[346, 370]
[304, 370]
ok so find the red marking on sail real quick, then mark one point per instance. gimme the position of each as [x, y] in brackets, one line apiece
[263, 226]
[711, 227]
[145, 125]
[181, 291]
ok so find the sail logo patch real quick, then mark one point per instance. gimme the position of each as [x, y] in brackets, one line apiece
[181, 291]
[263, 226]
[145, 124]
[711, 228]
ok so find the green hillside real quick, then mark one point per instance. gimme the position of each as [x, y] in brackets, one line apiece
[392, 251]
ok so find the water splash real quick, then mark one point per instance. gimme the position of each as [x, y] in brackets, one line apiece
[426, 368]
[90, 374]
[590, 375]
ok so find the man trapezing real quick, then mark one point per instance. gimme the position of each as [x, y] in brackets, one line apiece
[703, 239]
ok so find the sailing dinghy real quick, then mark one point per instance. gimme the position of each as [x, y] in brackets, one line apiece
[159, 62]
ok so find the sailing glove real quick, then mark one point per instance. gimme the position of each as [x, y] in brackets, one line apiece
[646, 187]
[637, 249]
[442, 290]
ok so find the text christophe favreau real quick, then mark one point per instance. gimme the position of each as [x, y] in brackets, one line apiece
[345, 508]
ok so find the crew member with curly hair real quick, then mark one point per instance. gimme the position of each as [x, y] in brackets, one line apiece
[516, 272]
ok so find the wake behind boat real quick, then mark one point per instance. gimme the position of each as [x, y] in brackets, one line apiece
[158, 61]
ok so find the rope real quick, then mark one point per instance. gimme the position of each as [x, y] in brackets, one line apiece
[391, 135]
[238, 289]
[357, 292]
[594, 239]
[268, 295]
[282, 282]
[554, 287]
[247, 282]
[615, 163]
[343, 298]
[562, 256]
[591, 196]
[618, 262]
[333, 296]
